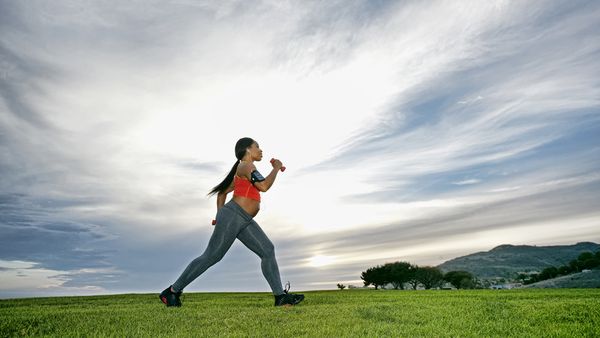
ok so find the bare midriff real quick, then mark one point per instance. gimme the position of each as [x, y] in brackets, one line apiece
[246, 195]
[249, 205]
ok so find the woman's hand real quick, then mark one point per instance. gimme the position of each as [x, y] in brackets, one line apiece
[277, 164]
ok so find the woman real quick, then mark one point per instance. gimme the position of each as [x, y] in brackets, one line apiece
[235, 220]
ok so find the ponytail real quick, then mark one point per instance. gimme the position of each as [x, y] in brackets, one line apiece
[240, 150]
[222, 187]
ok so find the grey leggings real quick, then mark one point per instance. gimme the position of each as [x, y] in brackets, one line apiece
[234, 222]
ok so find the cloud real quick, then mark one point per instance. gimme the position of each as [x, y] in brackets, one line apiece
[466, 182]
[27, 279]
[525, 100]
[403, 138]
[441, 233]
[34, 232]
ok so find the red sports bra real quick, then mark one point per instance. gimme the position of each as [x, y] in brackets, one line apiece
[244, 188]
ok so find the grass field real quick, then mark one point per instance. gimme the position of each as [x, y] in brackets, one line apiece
[368, 313]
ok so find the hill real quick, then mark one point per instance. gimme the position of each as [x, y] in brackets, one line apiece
[590, 279]
[508, 260]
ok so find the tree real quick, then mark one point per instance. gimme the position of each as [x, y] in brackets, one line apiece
[590, 263]
[575, 266]
[412, 277]
[399, 273]
[468, 282]
[382, 275]
[523, 278]
[548, 273]
[585, 260]
[368, 276]
[341, 286]
[460, 279]
[376, 276]
[585, 256]
[564, 270]
[533, 278]
[429, 276]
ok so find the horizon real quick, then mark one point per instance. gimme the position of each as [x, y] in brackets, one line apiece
[349, 287]
[411, 131]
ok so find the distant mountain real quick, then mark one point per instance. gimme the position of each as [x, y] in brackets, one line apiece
[508, 260]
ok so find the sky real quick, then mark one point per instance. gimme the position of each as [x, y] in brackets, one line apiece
[414, 131]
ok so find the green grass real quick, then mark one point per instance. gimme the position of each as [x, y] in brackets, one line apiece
[368, 313]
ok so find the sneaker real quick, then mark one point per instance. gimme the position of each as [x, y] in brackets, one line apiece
[288, 299]
[170, 298]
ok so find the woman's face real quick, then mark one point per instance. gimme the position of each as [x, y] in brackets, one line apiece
[255, 152]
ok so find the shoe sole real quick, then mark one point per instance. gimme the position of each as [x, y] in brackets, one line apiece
[164, 300]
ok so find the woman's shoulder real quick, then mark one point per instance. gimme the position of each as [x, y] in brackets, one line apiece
[245, 168]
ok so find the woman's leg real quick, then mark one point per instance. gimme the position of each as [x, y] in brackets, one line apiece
[223, 236]
[256, 240]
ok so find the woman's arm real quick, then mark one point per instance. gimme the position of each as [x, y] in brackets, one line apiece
[270, 179]
[268, 182]
[222, 196]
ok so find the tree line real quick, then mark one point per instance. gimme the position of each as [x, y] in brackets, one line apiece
[406, 275]
[402, 274]
[586, 260]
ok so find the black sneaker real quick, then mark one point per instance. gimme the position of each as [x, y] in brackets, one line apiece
[288, 299]
[169, 297]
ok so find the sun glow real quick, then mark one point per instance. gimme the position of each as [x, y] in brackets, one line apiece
[318, 261]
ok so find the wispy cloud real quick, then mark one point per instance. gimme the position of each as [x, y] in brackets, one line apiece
[467, 182]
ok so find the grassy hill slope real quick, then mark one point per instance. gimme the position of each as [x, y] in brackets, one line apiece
[508, 260]
[577, 280]
[348, 313]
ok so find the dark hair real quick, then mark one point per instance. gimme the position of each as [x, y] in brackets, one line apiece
[240, 150]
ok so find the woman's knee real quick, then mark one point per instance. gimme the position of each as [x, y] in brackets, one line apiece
[210, 257]
[268, 250]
